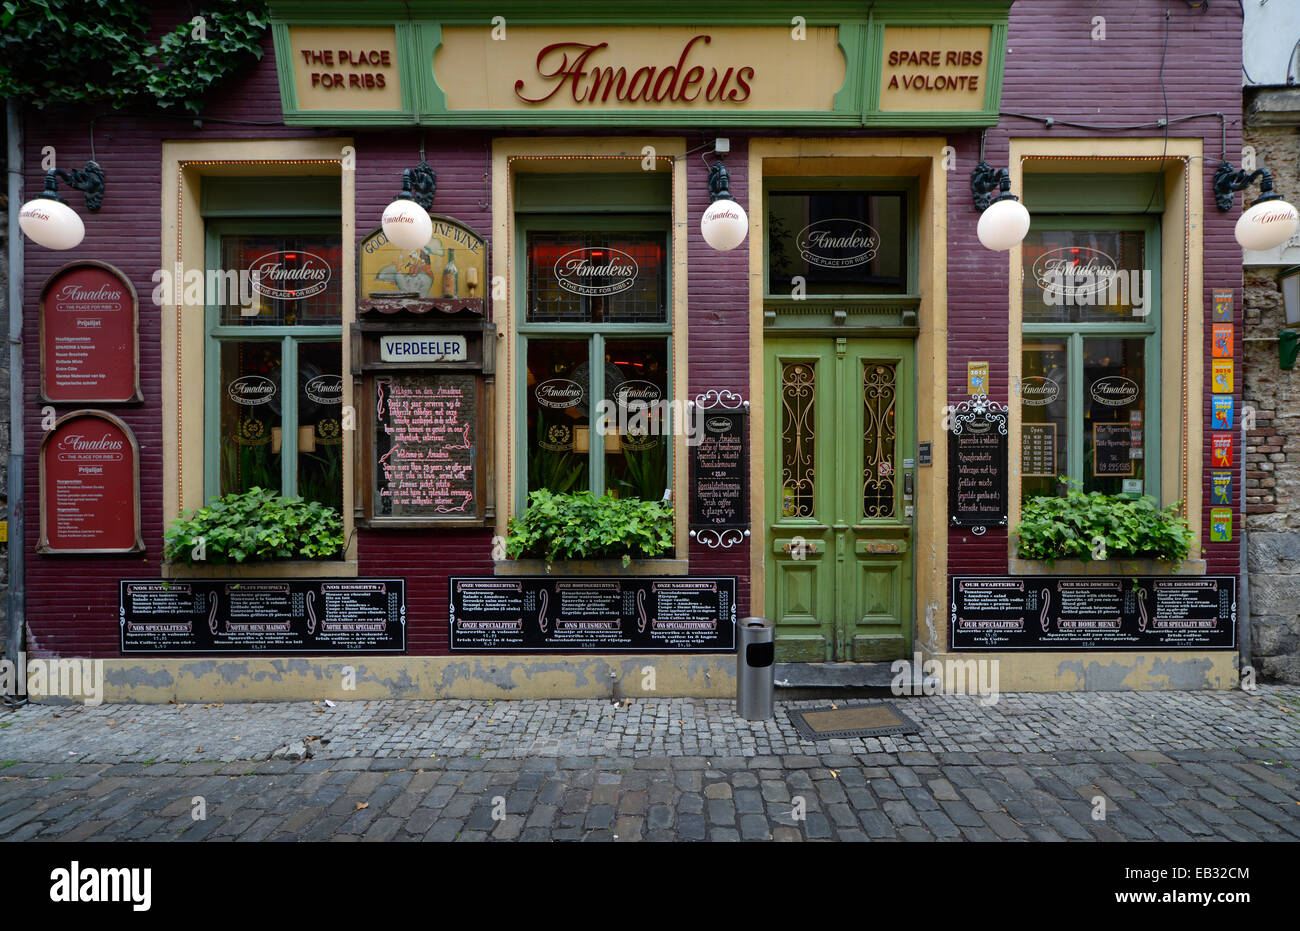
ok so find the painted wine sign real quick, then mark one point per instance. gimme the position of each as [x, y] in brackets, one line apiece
[89, 486]
[89, 342]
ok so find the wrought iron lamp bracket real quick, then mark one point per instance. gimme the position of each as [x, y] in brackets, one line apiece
[90, 181]
[985, 180]
[418, 184]
[719, 182]
[1228, 182]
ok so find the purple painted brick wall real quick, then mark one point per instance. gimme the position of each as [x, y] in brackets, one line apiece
[1053, 69]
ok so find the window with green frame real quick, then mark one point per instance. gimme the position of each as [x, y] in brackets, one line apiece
[597, 325]
[285, 328]
[1090, 355]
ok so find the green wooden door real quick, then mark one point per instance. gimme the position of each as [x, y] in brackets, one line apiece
[839, 511]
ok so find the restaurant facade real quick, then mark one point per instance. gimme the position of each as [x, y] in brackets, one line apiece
[845, 412]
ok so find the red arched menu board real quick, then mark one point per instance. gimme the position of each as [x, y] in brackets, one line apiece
[89, 346]
[90, 486]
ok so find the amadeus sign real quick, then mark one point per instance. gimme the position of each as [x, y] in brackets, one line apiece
[1073, 271]
[290, 276]
[596, 272]
[251, 390]
[1038, 391]
[1114, 391]
[558, 393]
[838, 243]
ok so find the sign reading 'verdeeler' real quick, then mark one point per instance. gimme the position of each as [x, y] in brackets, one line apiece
[414, 348]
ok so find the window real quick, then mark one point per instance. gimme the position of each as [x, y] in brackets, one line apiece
[276, 321]
[1090, 376]
[596, 325]
[840, 242]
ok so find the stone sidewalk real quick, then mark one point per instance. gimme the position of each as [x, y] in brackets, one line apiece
[1072, 766]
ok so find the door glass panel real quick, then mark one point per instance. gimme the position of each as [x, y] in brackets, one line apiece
[798, 434]
[320, 431]
[878, 447]
[636, 443]
[838, 242]
[250, 416]
[1114, 402]
[559, 431]
[1044, 416]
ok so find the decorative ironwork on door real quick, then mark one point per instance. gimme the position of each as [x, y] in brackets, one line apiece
[878, 465]
[798, 465]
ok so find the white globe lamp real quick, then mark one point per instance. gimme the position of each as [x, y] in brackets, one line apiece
[407, 225]
[1003, 225]
[406, 220]
[724, 224]
[51, 223]
[1266, 224]
[48, 221]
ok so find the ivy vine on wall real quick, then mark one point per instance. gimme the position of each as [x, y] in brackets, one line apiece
[99, 53]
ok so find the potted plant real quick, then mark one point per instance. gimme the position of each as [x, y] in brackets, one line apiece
[580, 526]
[1092, 527]
[254, 526]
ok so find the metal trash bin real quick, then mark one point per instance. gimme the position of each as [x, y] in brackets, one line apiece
[755, 668]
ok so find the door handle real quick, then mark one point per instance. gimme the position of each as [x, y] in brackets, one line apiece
[907, 485]
[808, 546]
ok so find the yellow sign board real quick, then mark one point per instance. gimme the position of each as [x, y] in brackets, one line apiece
[634, 68]
[345, 69]
[934, 69]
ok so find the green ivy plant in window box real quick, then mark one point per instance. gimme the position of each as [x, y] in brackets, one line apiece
[1094, 526]
[581, 526]
[255, 526]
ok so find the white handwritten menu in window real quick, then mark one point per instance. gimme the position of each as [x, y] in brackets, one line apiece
[425, 439]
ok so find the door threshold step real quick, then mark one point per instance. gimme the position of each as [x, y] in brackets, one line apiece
[832, 676]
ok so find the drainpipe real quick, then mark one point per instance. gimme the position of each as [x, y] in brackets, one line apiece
[17, 476]
[1243, 584]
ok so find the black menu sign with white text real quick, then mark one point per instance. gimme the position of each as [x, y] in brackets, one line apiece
[977, 464]
[642, 614]
[1093, 612]
[720, 472]
[321, 616]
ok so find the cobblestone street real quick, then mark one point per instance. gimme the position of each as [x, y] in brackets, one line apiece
[1069, 766]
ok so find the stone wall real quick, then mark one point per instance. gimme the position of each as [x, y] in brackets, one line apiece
[4, 389]
[1272, 493]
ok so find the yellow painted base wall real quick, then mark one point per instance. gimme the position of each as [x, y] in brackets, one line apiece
[203, 679]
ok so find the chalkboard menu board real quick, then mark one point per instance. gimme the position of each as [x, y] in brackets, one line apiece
[263, 616]
[426, 433]
[1038, 450]
[1110, 445]
[632, 614]
[1093, 613]
[89, 486]
[720, 474]
[977, 464]
[89, 344]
